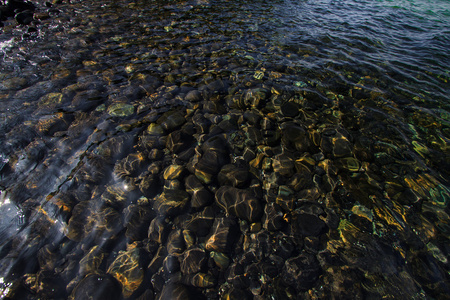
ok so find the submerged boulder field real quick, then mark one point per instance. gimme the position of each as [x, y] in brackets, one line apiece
[150, 151]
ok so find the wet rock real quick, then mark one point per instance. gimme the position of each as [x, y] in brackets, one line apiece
[155, 129]
[175, 291]
[36, 91]
[273, 217]
[157, 261]
[189, 238]
[137, 220]
[429, 273]
[127, 270]
[47, 257]
[149, 185]
[236, 276]
[200, 280]
[87, 100]
[200, 196]
[41, 16]
[342, 147]
[91, 262]
[193, 261]
[215, 155]
[336, 141]
[233, 175]
[150, 142]
[25, 17]
[178, 141]
[193, 96]
[51, 99]
[310, 225]
[236, 293]
[104, 225]
[171, 120]
[147, 295]
[121, 110]
[253, 98]
[158, 230]
[290, 109]
[252, 117]
[201, 123]
[220, 259]
[171, 264]
[200, 223]
[222, 235]
[208, 166]
[300, 181]
[14, 83]
[271, 137]
[75, 228]
[348, 164]
[301, 271]
[295, 137]
[44, 285]
[173, 172]
[283, 165]
[238, 202]
[175, 242]
[96, 286]
[130, 166]
[171, 202]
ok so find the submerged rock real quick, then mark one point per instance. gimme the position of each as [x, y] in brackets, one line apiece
[171, 202]
[241, 203]
[127, 270]
[200, 196]
[200, 223]
[233, 175]
[222, 235]
[121, 110]
[193, 261]
[302, 271]
[175, 291]
[96, 286]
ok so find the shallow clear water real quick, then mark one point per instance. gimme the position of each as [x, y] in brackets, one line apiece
[207, 149]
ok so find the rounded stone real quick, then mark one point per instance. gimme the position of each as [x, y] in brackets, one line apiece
[283, 165]
[222, 235]
[200, 196]
[273, 217]
[193, 96]
[171, 120]
[290, 109]
[127, 270]
[173, 172]
[175, 242]
[193, 261]
[120, 110]
[233, 175]
[96, 286]
[175, 291]
[200, 223]
[171, 202]
[238, 202]
[310, 225]
[155, 129]
[302, 271]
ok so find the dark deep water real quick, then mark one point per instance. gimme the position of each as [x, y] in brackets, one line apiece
[226, 150]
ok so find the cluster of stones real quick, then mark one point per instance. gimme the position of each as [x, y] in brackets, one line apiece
[19, 12]
[232, 185]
